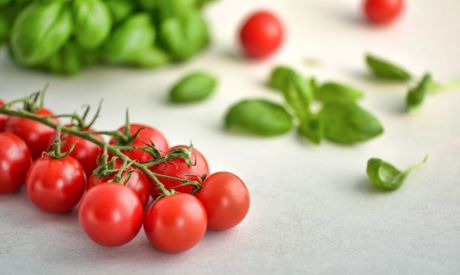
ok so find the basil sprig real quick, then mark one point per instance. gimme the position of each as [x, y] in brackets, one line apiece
[387, 177]
[385, 69]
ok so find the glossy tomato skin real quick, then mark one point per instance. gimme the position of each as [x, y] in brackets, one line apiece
[110, 214]
[261, 34]
[382, 11]
[180, 169]
[84, 151]
[15, 160]
[3, 118]
[55, 185]
[137, 182]
[37, 136]
[175, 223]
[226, 200]
[146, 136]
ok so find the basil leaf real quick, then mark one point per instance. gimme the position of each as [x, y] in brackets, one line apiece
[278, 77]
[259, 117]
[312, 129]
[416, 96]
[185, 35]
[68, 61]
[387, 177]
[93, 22]
[345, 122]
[150, 58]
[385, 69]
[337, 91]
[299, 95]
[193, 87]
[40, 30]
[120, 9]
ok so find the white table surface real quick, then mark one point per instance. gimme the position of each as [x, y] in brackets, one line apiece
[313, 210]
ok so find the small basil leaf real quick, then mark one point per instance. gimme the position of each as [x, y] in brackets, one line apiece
[259, 117]
[193, 87]
[385, 69]
[120, 9]
[278, 77]
[387, 177]
[345, 122]
[299, 95]
[68, 61]
[150, 58]
[337, 91]
[312, 129]
[416, 96]
[93, 22]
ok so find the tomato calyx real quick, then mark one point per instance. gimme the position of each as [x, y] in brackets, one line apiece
[55, 150]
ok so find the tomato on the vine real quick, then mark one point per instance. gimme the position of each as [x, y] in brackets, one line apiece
[382, 11]
[261, 34]
[110, 214]
[137, 182]
[85, 151]
[178, 168]
[55, 185]
[147, 135]
[175, 223]
[226, 200]
[3, 118]
[36, 135]
[15, 160]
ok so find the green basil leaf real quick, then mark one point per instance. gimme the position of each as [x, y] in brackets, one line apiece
[193, 87]
[278, 77]
[201, 3]
[330, 91]
[416, 96]
[184, 36]
[150, 58]
[93, 22]
[4, 3]
[40, 30]
[345, 122]
[385, 69]
[387, 177]
[299, 95]
[312, 129]
[5, 26]
[259, 117]
[175, 8]
[120, 9]
[68, 61]
[130, 40]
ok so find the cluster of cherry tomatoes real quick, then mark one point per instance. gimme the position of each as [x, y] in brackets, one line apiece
[112, 211]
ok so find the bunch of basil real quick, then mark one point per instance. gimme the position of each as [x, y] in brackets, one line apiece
[63, 36]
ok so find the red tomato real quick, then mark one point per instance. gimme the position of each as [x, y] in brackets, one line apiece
[180, 169]
[382, 11]
[110, 214]
[261, 34]
[175, 223]
[36, 135]
[146, 136]
[226, 200]
[137, 182]
[84, 151]
[55, 185]
[15, 160]
[3, 118]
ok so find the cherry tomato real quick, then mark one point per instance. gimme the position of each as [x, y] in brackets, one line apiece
[15, 160]
[84, 151]
[175, 223]
[137, 182]
[55, 185]
[180, 169]
[110, 214]
[226, 200]
[3, 118]
[382, 11]
[146, 136]
[36, 135]
[261, 34]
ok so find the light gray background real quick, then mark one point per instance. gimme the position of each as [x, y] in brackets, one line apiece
[313, 210]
